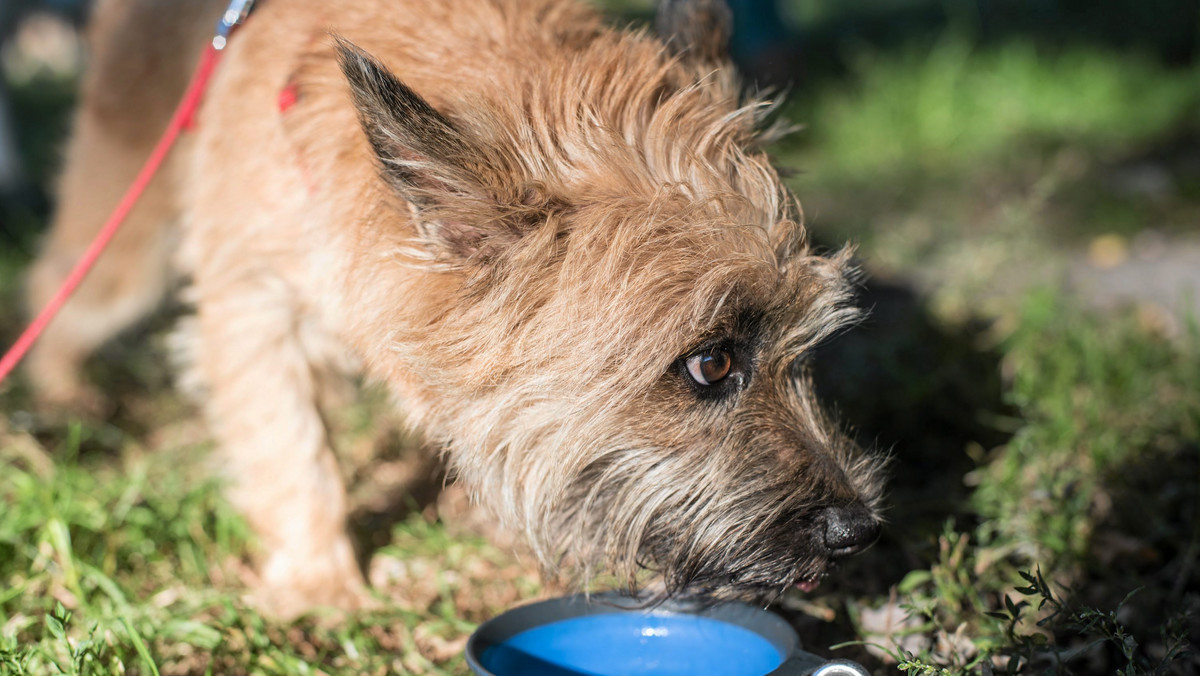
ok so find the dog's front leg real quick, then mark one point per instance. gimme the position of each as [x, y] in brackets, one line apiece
[262, 405]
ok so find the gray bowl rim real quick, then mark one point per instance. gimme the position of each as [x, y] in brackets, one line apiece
[762, 622]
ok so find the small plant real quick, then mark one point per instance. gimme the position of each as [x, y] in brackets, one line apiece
[1053, 641]
[1086, 628]
[74, 657]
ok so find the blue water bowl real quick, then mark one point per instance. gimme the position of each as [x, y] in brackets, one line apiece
[607, 635]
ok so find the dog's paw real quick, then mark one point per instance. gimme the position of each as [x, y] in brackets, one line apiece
[60, 404]
[59, 391]
[291, 601]
[292, 585]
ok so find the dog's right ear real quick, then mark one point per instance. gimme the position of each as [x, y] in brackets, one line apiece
[695, 29]
[422, 156]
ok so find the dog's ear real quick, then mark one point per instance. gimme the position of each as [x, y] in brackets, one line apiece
[695, 29]
[422, 156]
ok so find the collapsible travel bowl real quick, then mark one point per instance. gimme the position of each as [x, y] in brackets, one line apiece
[608, 635]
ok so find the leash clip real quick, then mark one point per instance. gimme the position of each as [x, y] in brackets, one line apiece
[234, 16]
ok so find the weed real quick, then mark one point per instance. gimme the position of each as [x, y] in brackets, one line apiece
[1090, 628]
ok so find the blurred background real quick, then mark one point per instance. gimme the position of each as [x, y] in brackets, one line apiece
[1021, 179]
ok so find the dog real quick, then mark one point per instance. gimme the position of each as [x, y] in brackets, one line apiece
[559, 244]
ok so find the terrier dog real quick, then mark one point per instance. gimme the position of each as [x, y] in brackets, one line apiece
[559, 244]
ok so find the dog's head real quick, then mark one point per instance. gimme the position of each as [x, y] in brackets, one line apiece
[619, 361]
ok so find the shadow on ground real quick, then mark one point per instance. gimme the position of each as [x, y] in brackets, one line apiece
[908, 385]
[925, 392]
[1144, 552]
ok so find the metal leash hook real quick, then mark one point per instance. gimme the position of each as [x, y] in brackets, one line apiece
[234, 16]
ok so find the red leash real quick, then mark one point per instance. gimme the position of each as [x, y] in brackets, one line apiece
[180, 121]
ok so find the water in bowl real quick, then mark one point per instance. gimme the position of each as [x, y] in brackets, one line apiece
[631, 644]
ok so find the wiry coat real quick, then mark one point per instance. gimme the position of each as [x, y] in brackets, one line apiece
[524, 222]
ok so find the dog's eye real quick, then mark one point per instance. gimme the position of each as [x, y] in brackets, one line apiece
[710, 367]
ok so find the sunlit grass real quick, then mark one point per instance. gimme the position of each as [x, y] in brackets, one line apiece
[139, 567]
[941, 108]
[1087, 488]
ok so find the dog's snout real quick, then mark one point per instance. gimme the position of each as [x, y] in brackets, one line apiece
[849, 529]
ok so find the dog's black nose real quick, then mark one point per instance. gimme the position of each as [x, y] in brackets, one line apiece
[849, 529]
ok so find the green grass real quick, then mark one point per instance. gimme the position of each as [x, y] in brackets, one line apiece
[975, 174]
[137, 566]
[1099, 396]
[942, 109]
[1004, 141]
[1110, 418]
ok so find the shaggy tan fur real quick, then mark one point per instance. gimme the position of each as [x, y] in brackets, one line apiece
[525, 223]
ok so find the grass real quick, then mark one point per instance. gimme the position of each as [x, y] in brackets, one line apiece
[1110, 422]
[1099, 396]
[1045, 504]
[136, 565]
[1046, 436]
[941, 108]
